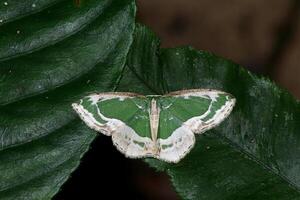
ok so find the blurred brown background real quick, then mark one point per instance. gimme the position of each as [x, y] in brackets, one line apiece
[263, 36]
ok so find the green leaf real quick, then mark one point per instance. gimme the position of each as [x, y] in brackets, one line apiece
[254, 154]
[54, 53]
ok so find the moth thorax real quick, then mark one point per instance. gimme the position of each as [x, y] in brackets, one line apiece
[154, 119]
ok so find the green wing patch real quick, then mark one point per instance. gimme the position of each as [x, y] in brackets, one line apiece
[200, 109]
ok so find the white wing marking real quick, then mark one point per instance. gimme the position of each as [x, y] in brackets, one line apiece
[131, 144]
[175, 147]
[89, 119]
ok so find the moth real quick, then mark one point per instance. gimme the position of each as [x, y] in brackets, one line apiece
[159, 126]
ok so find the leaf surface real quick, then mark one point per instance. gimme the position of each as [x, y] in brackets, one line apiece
[52, 54]
[254, 154]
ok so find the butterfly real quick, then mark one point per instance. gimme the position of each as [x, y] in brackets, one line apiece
[159, 126]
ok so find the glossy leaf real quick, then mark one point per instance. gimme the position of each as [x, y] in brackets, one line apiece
[254, 154]
[53, 53]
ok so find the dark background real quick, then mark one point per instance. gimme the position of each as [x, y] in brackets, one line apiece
[263, 36]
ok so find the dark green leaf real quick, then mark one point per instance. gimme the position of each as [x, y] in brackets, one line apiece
[254, 154]
[47, 27]
[59, 54]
